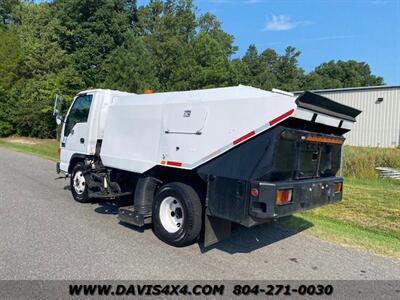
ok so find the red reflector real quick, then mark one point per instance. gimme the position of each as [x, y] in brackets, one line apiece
[174, 163]
[254, 192]
[283, 196]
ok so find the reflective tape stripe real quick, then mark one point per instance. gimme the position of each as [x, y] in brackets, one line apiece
[243, 138]
[281, 117]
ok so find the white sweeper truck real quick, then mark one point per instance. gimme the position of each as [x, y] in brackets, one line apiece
[195, 162]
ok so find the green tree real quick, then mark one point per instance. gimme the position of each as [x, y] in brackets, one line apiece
[167, 28]
[211, 66]
[210, 55]
[289, 75]
[6, 7]
[270, 70]
[89, 30]
[42, 69]
[10, 52]
[130, 67]
[70, 45]
[209, 24]
[341, 74]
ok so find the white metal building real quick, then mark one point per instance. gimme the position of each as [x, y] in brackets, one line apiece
[379, 123]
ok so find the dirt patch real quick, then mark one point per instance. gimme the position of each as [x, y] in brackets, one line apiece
[22, 141]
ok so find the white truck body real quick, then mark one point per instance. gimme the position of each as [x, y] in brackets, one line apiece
[178, 129]
[204, 158]
[185, 129]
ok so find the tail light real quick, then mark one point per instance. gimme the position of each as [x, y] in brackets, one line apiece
[254, 192]
[338, 187]
[284, 196]
[59, 151]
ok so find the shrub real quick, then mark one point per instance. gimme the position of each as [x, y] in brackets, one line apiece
[6, 129]
[360, 162]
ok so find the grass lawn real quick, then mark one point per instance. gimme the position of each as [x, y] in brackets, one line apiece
[47, 149]
[367, 218]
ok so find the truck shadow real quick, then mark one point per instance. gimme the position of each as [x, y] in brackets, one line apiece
[242, 240]
[111, 208]
[245, 240]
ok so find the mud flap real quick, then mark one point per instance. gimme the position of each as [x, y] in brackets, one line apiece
[215, 230]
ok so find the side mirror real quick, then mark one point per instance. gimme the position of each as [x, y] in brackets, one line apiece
[57, 109]
[59, 120]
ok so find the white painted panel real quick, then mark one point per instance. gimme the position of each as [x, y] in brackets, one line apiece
[327, 120]
[347, 125]
[188, 118]
[135, 139]
[304, 114]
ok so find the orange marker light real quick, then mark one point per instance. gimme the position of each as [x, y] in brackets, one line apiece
[148, 92]
[284, 196]
[321, 139]
[338, 187]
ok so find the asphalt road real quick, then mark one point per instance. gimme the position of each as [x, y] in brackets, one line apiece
[44, 234]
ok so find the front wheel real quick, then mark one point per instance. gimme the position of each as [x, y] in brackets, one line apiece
[78, 184]
[177, 214]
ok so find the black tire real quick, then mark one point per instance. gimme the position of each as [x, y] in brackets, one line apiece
[190, 229]
[79, 197]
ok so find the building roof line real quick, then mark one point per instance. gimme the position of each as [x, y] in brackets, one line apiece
[376, 87]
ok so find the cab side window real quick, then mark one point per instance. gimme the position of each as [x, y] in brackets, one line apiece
[79, 113]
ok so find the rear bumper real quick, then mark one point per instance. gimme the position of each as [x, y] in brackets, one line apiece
[307, 194]
[231, 199]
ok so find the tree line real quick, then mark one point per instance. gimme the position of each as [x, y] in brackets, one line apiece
[64, 46]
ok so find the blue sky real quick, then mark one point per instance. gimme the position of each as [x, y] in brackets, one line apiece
[364, 30]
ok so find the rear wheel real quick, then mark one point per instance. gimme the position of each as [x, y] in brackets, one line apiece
[78, 184]
[177, 214]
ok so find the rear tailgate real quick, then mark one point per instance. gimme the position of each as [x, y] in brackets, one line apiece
[321, 110]
[299, 154]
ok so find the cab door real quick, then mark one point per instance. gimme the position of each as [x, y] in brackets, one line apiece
[75, 131]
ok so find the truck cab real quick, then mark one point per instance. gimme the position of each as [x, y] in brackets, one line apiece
[83, 125]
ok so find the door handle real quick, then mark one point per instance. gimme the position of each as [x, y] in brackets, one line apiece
[82, 140]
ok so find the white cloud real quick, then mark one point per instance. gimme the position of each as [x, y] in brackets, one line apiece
[283, 22]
